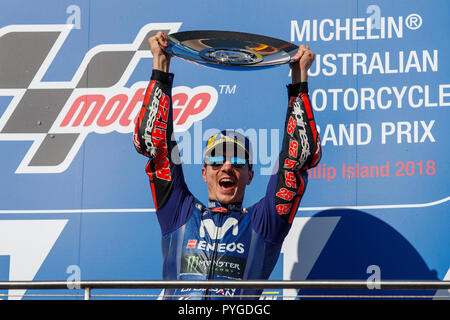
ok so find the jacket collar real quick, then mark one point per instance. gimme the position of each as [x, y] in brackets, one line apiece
[216, 206]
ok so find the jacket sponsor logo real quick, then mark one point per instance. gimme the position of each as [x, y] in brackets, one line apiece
[155, 135]
[192, 243]
[217, 233]
[58, 115]
[221, 247]
[301, 125]
[224, 266]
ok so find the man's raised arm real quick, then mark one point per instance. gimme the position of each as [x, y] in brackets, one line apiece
[154, 124]
[300, 151]
[301, 148]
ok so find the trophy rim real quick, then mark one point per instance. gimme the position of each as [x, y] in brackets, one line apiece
[235, 35]
[190, 45]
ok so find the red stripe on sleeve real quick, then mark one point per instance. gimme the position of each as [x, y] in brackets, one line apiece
[294, 210]
[152, 184]
[309, 112]
[149, 92]
[307, 104]
[300, 191]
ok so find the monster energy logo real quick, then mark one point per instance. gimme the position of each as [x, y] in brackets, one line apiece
[224, 266]
[193, 263]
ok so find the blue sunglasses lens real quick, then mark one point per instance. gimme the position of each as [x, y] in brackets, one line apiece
[218, 161]
[238, 162]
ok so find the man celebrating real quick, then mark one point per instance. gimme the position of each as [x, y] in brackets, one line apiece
[222, 240]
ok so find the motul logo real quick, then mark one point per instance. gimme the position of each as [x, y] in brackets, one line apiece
[58, 116]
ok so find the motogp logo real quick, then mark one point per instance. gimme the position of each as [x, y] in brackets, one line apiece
[58, 116]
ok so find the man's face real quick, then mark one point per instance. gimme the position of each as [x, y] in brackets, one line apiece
[226, 184]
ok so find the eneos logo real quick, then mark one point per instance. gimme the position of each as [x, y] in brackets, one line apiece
[58, 116]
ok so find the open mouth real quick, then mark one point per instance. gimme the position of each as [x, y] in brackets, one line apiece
[227, 183]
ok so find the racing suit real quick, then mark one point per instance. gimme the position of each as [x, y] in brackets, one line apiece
[217, 241]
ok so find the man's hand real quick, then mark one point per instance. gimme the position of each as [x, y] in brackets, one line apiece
[158, 45]
[302, 61]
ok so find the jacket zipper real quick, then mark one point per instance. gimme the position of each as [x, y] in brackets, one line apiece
[214, 255]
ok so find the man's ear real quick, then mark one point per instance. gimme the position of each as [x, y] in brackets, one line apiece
[250, 176]
[204, 173]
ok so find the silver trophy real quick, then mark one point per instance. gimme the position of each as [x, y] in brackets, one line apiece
[230, 50]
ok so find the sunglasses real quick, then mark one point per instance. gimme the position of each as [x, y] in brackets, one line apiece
[218, 161]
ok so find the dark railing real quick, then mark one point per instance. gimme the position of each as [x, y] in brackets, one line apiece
[87, 286]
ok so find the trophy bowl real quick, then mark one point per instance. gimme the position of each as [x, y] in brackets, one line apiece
[230, 50]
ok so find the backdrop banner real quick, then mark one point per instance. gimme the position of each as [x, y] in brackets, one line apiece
[75, 199]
